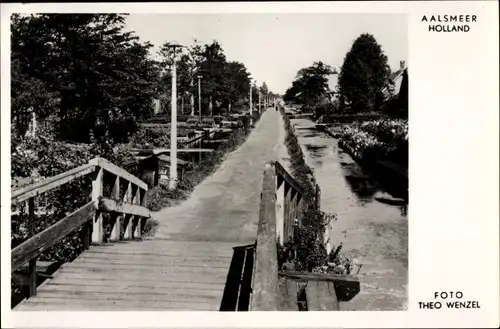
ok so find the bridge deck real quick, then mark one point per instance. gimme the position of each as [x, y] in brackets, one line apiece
[146, 275]
[185, 265]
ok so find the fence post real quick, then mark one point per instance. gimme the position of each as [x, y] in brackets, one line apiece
[32, 231]
[280, 208]
[128, 198]
[115, 194]
[97, 221]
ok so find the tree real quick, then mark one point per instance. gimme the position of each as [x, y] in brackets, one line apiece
[310, 84]
[364, 76]
[98, 73]
[237, 82]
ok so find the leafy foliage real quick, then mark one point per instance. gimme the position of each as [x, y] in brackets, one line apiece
[364, 76]
[82, 67]
[310, 84]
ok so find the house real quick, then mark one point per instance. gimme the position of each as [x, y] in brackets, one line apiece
[397, 78]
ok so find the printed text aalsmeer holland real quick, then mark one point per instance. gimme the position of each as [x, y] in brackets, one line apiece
[449, 19]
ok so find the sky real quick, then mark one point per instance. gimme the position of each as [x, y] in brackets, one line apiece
[274, 47]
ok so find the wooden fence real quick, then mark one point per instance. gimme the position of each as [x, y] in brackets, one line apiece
[127, 205]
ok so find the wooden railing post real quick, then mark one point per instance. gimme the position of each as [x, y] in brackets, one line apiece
[115, 194]
[32, 232]
[136, 227]
[128, 197]
[280, 208]
[97, 221]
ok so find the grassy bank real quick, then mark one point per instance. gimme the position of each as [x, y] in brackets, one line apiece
[160, 196]
[308, 252]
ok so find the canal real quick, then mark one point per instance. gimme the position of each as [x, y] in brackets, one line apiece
[371, 231]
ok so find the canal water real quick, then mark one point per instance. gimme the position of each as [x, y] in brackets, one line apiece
[372, 232]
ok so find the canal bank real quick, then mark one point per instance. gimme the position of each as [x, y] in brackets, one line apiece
[374, 233]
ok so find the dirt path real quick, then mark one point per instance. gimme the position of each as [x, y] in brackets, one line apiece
[225, 206]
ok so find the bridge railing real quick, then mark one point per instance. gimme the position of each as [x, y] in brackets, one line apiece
[125, 201]
[281, 210]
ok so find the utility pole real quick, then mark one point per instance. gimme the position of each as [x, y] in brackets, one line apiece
[260, 96]
[173, 128]
[199, 97]
[250, 108]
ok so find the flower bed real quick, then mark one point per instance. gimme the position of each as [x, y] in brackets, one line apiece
[378, 140]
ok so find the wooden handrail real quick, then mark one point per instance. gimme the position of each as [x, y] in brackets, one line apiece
[287, 177]
[130, 208]
[50, 183]
[265, 280]
[37, 244]
[281, 210]
[117, 171]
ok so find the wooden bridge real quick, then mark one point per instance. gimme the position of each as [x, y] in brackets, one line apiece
[130, 272]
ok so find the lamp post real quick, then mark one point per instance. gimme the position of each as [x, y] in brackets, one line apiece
[250, 108]
[172, 184]
[199, 96]
[260, 96]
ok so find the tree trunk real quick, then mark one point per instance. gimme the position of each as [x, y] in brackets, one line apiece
[229, 107]
[210, 106]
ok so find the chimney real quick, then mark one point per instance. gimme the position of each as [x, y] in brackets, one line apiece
[402, 65]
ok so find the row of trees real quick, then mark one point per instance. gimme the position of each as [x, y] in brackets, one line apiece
[224, 83]
[85, 73]
[364, 81]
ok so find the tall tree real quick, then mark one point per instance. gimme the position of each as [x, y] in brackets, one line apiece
[237, 83]
[364, 76]
[99, 72]
[310, 84]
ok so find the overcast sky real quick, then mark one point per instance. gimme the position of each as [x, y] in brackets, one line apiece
[274, 47]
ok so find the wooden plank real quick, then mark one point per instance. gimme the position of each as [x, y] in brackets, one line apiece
[114, 169]
[115, 304]
[265, 281]
[51, 183]
[321, 296]
[145, 296]
[94, 281]
[34, 246]
[319, 276]
[130, 289]
[288, 294]
[144, 277]
[107, 204]
[165, 150]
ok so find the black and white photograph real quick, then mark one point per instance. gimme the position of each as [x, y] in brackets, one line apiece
[209, 162]
[173, 164]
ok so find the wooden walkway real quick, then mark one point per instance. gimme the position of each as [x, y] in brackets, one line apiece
[139, 275]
